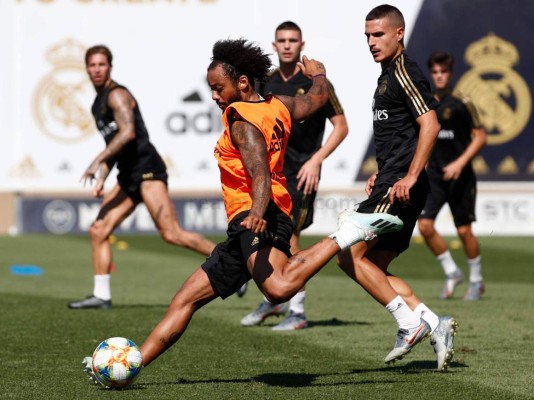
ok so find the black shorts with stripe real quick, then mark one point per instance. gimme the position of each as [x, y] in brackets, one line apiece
[378, 202]
[226, 267]
[302, 211]
[131, 183]
[460, 194]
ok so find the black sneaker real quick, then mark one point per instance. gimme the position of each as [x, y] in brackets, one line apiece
[90, 302]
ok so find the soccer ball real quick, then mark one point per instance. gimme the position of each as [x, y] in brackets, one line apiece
[116, 362]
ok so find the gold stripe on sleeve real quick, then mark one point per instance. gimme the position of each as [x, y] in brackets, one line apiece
[409, 87]
[332, 97]
[470, 107]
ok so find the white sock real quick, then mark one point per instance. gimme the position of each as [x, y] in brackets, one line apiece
[267, 301]
[405, 317]
[426, 313]
[296, 304]
[475, 269]
[347, 235]
[447, 263]
[102, 288]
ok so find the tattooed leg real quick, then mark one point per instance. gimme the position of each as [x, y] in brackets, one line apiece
[279, 277]
[193, 295]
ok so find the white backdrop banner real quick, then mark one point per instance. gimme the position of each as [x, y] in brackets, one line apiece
[161, 52]
[498, 213]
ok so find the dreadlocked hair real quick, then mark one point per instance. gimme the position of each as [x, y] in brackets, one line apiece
[240, 57]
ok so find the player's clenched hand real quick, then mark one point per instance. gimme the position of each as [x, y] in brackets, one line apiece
[311, 67]
[254, 223]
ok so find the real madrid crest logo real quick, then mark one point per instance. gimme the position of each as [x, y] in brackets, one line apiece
[383, 87]
[446, 113]
[58, 101]
[501, 95]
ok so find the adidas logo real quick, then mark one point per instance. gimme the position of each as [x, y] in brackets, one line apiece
[384, 225]
[255, 241]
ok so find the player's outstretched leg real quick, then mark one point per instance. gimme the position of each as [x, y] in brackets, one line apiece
[354, 227]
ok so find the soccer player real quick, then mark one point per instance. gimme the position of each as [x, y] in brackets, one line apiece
[305, 154]
[452, 179]
[405, 128]
[250, 154]
[142, 176]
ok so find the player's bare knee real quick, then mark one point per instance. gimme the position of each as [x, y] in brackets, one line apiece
[465, 232]
[426, 227]
[278, 293]
[97, 231]
[182, 301]
[176, 236]
[169, 236]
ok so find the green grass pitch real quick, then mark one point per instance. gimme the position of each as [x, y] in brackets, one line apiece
[339, 357]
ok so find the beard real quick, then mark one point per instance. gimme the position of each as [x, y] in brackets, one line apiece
[238, 96]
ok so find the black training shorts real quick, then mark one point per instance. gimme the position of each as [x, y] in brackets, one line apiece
[460, 194]
[131, 183]
[302, 211]
[226, 267]
[408, 213]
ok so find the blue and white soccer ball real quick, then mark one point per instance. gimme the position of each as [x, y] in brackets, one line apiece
[116, 362]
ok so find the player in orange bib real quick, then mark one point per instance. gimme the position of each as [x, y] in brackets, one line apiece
[250, 154]
[271, 118]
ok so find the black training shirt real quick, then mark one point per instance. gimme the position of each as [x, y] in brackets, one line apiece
[457, 117]
[137, 155]
[402, 95]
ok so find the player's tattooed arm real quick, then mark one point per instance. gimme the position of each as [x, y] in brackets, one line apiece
[251, 144]
[303, 107]
[122, 103]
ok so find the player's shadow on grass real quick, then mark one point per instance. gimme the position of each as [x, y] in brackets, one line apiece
[290, 380]
[336, 322]
[293, 380]
[124, 306]
[414, 367]
[286, 380]
[324, 323]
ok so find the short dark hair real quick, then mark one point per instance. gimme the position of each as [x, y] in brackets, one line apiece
[386, 11]
[99, 49]
[240, 57]
[441, 58]
[288, 26]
